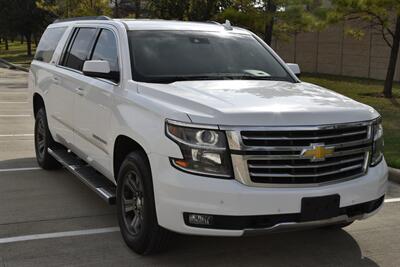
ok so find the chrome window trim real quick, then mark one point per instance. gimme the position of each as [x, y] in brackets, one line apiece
[99, 27]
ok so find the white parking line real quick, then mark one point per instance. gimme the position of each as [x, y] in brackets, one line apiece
[11, 116]
[15, 135]
[391, 200]
[58, 235]
[20, 169]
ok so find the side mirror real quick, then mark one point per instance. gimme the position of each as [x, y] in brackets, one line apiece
[99, 69]
[295, 68]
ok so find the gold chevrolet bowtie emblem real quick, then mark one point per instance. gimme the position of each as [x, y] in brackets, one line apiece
[317, 152]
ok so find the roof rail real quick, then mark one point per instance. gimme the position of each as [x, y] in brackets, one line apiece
[83, 18]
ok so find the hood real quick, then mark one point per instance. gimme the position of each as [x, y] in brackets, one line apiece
[258, 103]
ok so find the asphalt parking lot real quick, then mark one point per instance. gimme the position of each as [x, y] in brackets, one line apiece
[49, 218]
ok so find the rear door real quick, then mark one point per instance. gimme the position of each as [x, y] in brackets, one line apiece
[71, 80]
[93, 106]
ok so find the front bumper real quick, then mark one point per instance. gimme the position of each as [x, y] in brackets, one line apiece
[177, 193]
[268, 223]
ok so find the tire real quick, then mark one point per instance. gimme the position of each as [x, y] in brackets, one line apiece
[136, 207]
[338, 226]
[44, 140]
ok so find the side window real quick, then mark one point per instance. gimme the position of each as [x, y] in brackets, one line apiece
[48, 43]
[106, 49]
[80, 48]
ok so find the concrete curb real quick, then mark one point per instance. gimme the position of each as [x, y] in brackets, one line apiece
[13, 66]
[394, 175]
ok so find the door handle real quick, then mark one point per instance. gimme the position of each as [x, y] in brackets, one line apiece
[80, 91]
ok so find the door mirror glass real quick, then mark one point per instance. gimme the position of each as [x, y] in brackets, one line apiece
[99, 69]
[295, 68]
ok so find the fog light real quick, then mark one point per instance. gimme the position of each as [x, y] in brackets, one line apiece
[200, 219]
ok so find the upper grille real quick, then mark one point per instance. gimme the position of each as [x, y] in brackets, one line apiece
[303, 138]
[275, 155]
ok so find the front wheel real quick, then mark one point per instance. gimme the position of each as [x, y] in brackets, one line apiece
[136, 207]
[44, 140]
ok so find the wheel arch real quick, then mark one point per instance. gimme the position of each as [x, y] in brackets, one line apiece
[37, 102]
[124, 145]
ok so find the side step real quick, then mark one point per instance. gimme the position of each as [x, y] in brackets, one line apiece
[89, 176]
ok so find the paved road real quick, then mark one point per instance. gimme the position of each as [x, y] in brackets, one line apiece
[34, 202]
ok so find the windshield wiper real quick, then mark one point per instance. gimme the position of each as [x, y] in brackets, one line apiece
[253, 77]
[213, 76]
[171, 79]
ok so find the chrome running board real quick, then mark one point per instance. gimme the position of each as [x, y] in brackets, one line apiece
[89, 176]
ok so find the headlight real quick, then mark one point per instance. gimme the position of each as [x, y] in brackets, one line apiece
[378, 144]
[204, 150]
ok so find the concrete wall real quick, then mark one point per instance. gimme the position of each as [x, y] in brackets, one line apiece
[332, 51]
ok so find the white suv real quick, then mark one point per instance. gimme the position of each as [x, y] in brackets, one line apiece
[200, 128]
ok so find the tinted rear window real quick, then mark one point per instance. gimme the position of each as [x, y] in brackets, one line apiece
[48, 44]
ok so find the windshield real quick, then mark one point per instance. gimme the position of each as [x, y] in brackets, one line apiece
[169, 56]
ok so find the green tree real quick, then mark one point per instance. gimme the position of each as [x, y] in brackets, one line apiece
[195, 10]
[245, 14]
[138, 8]
[77, 8]
[24, 17]
[281, 18]
[169, 9]
[381, 15]
[5, 30]
[205, 10]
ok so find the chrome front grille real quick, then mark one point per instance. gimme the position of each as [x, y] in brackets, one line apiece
[278, 156]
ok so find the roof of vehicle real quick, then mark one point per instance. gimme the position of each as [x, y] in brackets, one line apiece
[153, 24]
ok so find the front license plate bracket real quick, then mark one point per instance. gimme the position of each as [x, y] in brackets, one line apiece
[320, 208]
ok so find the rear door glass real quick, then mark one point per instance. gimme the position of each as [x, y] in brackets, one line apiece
[78, 52]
